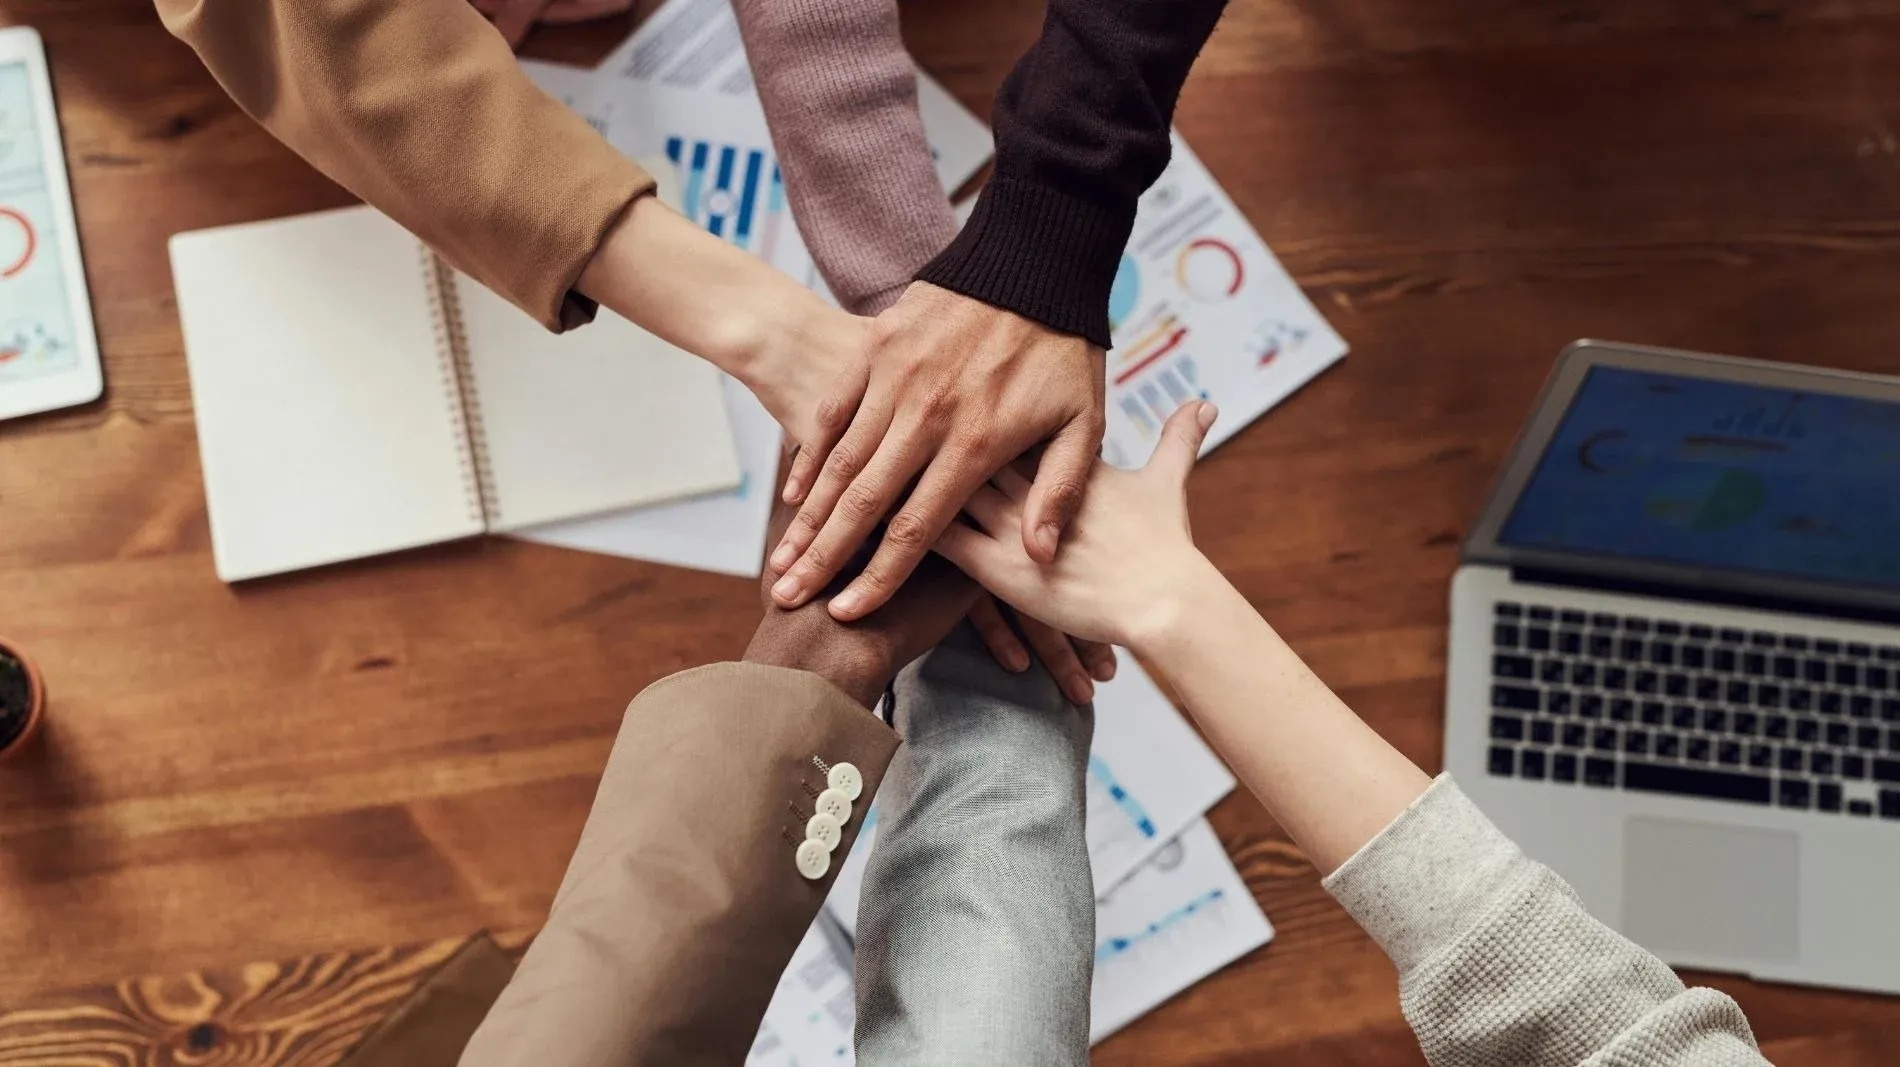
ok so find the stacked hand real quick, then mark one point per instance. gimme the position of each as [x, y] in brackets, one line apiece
[943, 393]
[1091, 590]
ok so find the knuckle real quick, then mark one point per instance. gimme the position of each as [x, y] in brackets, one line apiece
[978, 442]
[843, 462]
[817, 560]
[938, 403]
[907, 531]
[860, 503]
[806, 523]
[833, 415]
[1065, 496]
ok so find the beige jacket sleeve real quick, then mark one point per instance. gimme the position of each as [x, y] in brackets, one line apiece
[683, 904]
[418, 107]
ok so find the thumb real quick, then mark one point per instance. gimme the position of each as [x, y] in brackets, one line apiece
[1181, 440]
[1056, 495]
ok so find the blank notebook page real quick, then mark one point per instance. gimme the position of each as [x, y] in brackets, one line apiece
[602, 417]
[325, 424]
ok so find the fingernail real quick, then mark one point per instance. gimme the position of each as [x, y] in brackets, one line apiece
[1079, 689]
[1206, 415]
[1017, 661]
[847, 602]
[1046, 537]
[791, 490]
[788, 589]
[783, 555]
[1107, 672]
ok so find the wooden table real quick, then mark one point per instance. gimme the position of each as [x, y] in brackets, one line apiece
[352, 769]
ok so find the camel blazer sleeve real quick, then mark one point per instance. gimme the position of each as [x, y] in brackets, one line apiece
[419, 108]
[683, 902]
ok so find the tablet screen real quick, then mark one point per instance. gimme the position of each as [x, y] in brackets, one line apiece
[36, 328]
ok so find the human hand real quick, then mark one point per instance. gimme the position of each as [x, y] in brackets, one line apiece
[1129, 562]
[861, 657]
[955, 390]
[1075, 665]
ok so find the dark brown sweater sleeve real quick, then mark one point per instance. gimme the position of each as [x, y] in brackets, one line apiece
[1081, 131]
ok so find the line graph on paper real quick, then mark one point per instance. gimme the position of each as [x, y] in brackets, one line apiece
[1118, 825]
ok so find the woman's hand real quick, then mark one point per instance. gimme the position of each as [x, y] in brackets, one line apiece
[1128, 563]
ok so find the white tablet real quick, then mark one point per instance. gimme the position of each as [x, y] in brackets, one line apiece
[49, 356]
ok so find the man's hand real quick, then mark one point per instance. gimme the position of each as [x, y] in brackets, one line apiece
[956, 390]
[861, 658]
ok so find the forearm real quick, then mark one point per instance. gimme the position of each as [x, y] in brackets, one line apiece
[1332, 781]
[658, 270]
[1082, 129]
[419, 108]
[840, 96]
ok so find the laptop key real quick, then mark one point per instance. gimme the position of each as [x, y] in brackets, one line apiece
[1714, 720]
[1635, 625]
[1583, 674]
[1569, 642]
[1847, 674]
[1570, 617]
[1776, 726]
[1768, 696]
[1697, 750]
[1682, 716]
[1787, 668]
[1695, 657]
[1622, 709]
[1504, 635]
[1794, 793]
[1537, 639]
[1540, 613]
[1890, 709]
[1662, 653]
[1559, 703]
[1821, 761]
[1754, 663]
[1503, 761]
[1890, 803]
[1616, 679]
[1543, 731]
[1886, 770]
[1708, 687]
[1800, 699]
[1531, 765]
[1854, 767]
[1830, 703]
[1739, 693]
[1867, 738]
[1807, 730]
[1815, 670]
[1860, 807]
[1603, 739]
[1791, 758]
[1574, 734]
[1630, 650]
[1838, 734]
[1551, 671]
[1652, 712]
[1761, 756]
[1599, 772]
[1698, 782]
[1505, 665]
[1507, 728]
[1729, 753]
[1877, 677]
[1745, 723]
[1590, 706]
[1636, 742]
[1668, 746]
[1675, 684]
[1508, 610]
[1600, 645]
[1516, 697]
[1563, 767]
[1827, 797]
[1860, 706]
[1699, 632]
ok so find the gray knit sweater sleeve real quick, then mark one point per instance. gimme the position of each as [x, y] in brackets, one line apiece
[1499, 963]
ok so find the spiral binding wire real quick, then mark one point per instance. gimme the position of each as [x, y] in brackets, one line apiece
[458, 391]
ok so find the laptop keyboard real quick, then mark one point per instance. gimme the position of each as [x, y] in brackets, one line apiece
[1652, 705]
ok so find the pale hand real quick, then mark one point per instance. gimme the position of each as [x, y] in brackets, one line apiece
[1128, 560]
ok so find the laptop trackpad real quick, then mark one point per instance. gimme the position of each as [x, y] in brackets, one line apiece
[1726, 891]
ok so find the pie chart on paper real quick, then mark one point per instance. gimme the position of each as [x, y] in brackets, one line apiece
[18, 242]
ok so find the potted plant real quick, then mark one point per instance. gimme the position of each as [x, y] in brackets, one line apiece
[22, 700]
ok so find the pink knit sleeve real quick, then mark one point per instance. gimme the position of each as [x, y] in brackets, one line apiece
[840, 95]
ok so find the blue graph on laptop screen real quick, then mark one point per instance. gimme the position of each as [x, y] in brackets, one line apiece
[1719, 475]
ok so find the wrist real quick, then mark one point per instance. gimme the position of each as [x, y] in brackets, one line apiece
[1183, 597]
[856, 671]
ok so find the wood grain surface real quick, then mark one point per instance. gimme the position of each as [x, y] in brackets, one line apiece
[351, 770]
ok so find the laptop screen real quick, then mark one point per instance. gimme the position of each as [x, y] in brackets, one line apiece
[1719, 475]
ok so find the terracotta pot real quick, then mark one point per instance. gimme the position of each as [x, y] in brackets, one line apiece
[35, 702]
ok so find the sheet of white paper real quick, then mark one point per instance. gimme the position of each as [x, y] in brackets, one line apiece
[1202, 309]
[1183, 916]
[810, 1018]
[695, 44]
[723, 533]
[1149, 777]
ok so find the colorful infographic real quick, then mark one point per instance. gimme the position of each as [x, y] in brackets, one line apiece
[1201, 310]
[36, 328]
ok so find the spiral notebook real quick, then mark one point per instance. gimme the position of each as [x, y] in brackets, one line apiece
[355, 396]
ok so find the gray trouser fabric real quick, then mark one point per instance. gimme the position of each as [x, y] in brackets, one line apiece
[976, 931]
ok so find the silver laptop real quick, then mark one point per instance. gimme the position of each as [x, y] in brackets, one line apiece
[1675, 658]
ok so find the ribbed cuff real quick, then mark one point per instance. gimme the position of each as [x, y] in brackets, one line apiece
[1426, 878]
[1040, 253]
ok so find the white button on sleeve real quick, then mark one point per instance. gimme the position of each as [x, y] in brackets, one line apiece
[846, 779]
[834, 803]
[814, 859]
[825, 830]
